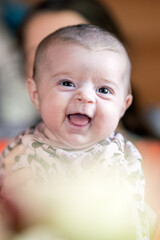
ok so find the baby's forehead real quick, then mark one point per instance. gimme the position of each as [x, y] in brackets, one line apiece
[73, 51]
[74, 46]
[58, 50]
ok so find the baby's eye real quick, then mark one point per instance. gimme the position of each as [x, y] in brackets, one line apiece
[67, 83]
[104, 90]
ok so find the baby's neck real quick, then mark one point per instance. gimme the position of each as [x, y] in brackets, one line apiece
[58, 144]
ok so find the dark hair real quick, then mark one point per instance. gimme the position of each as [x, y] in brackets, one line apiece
[92, 10]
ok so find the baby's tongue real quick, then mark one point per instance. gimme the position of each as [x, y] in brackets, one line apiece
[79, 119]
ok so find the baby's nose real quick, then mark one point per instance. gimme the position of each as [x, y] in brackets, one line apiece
[85, 97]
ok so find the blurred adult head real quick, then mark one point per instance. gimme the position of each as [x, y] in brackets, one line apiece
[50, 15]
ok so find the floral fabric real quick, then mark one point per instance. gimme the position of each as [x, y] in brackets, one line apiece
[33, 157]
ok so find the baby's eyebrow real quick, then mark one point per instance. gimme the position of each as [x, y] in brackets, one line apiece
[106, 81]
[60, 74]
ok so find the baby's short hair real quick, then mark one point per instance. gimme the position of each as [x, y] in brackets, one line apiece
[86, 35]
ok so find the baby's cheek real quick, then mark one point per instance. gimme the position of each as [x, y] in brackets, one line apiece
[52, 112]
[107, 122]
[108, 114]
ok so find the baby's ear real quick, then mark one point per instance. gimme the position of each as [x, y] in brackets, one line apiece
[127, 103]
[33, 92]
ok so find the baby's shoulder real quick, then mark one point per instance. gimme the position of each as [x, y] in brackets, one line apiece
[15, 145]
[121, 144]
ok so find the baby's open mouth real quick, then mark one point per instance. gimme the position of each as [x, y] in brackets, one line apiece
[79, 119]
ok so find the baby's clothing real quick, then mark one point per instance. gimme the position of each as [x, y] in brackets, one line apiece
[34, 155]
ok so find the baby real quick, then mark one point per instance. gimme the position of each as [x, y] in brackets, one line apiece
[81, 87]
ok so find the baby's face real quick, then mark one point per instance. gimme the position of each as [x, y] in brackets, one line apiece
[82, 94]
